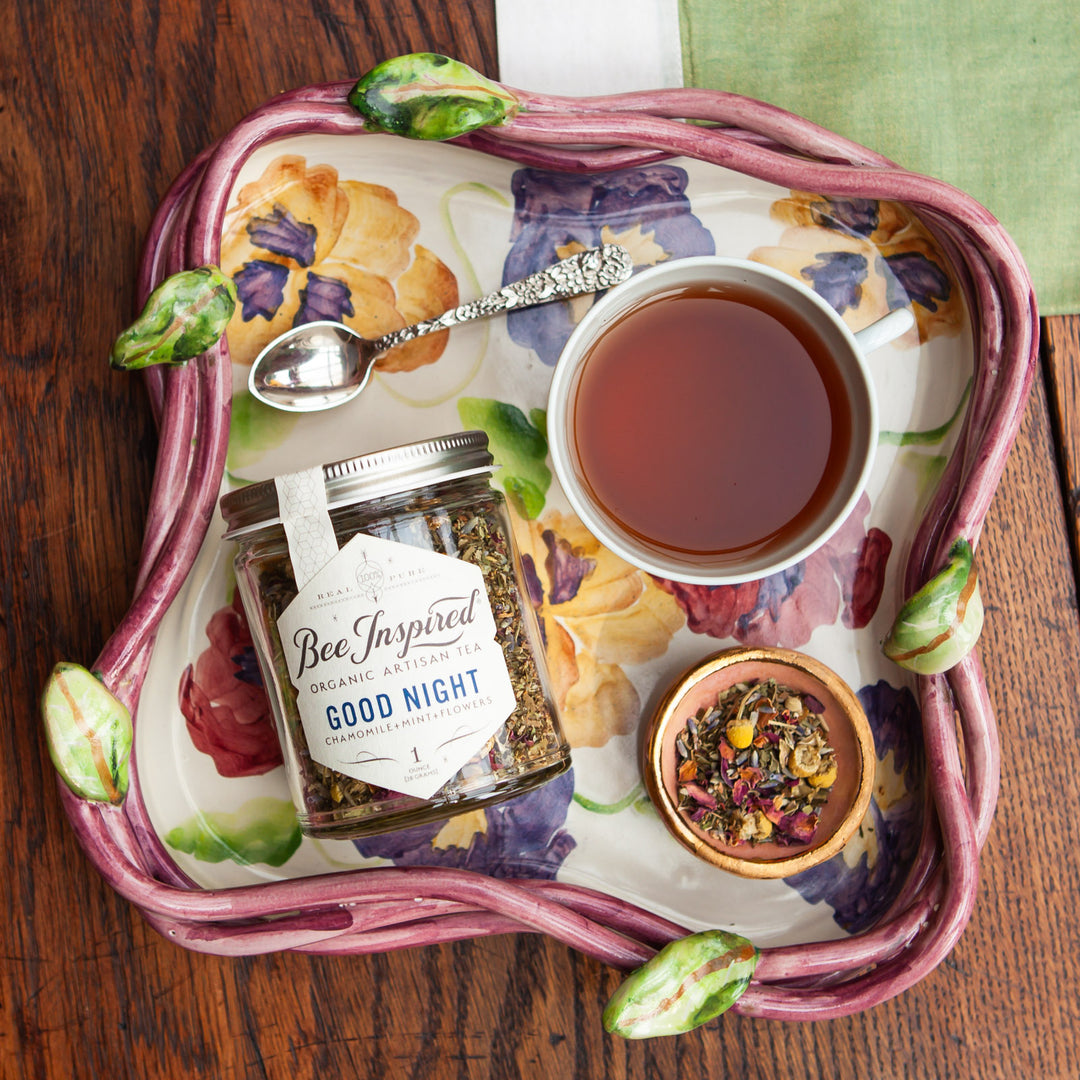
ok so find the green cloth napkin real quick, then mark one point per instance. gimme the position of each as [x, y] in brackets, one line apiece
[984, 94]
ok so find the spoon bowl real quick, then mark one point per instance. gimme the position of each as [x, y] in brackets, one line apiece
[321, 365]
[314, 366]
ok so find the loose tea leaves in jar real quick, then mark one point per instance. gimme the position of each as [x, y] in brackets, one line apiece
[404, 669]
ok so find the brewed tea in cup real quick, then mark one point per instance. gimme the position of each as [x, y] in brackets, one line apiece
[712, 420]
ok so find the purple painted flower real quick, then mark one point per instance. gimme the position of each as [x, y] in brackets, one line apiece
[260, 288]
[918, 279]
[557, 214]
[523, 838]
[837, 277]
[861, 882]
[282, 234]
[565, 569]
[324, 298]
[532, 580]
[860, 216]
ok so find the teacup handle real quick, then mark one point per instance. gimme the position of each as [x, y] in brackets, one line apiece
[887, 328]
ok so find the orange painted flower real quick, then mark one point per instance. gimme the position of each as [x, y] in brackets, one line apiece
[597, 613]
[866, 258]
[302, 245]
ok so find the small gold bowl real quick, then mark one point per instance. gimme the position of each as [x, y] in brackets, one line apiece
[848, 732]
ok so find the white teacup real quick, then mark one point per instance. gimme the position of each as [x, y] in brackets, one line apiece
[599, 364]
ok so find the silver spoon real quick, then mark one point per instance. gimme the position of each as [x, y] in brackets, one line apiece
[320, 365]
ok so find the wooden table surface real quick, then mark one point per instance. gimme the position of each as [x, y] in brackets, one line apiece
[100, 107]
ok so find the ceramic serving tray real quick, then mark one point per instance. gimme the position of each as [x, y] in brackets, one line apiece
[313, 216]
[409, 228]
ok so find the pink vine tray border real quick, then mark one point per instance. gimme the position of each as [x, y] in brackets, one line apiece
[384, 908]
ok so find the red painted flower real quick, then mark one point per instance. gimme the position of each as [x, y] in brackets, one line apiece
[843, 578]
[223, 700]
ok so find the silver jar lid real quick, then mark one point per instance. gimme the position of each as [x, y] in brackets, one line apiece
[370, 476]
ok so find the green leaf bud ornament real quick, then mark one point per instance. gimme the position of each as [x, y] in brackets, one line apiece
[428, 96]
[940, 624]
[686, 984]
[184, 316]
[89, 732]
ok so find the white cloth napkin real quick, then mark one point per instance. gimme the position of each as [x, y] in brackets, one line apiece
[583, 47]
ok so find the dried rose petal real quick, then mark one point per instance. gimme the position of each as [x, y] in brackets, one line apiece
[700, 795]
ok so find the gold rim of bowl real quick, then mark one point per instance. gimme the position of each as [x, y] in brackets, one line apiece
[665, 800]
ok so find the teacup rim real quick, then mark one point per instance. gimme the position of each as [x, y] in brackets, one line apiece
[627, 295]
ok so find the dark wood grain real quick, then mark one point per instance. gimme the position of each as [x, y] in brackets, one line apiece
[100, 106]
[1061, 348]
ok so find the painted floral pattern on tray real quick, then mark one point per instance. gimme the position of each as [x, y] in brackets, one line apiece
[223, 700]
[558, 214]
[597, 614]
[302, 245]
[866, 258]
[302, 242]
[861, 882]
[521, 838]
[842, 579]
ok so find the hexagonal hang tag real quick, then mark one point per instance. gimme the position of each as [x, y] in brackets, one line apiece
[398, 674]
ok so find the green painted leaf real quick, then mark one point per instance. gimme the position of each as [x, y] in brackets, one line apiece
[428, 96]
[539, 420]
[89, 732]
[263, 830]
[927, 470]
[184, 316]
[938, 626]
[929, 436]
[518, 447]
[254, 430]
[526, 496]
[686, 984]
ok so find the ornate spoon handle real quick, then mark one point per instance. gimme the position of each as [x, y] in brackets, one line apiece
[586, 272]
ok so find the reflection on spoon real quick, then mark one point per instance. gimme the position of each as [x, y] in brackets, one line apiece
[320, 365]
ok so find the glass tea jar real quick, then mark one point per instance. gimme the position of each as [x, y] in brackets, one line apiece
[396, 640]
